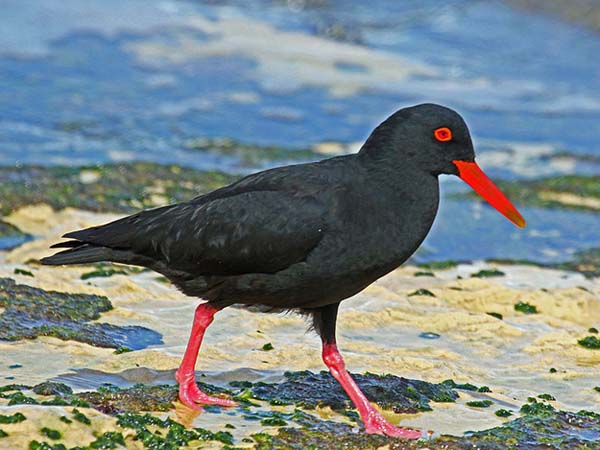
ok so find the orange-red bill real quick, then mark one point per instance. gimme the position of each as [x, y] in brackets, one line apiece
[471, 174]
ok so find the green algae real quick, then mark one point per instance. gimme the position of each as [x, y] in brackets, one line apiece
[525, 308]
[464, 386]
[3, 433]
[267, 347]
[107, 270]
[136, 398]
[593, 330]
[31, 312]
[537, 409]
[503, 413]
[440, 265]
[423, 273]
[24, 272]
[547, 397]
[80, 417]
[114, 400]
[15, 418]
[109, 440]
[488, 273]
[425, 292]
[553, 430]
[110, 188]
[14, 387]
[250, 154]
[591, 342]
[496, 315]
[176, 435]
[102, 273]
[310, 390]
[50, 433]
[480, 403]
[18, 398]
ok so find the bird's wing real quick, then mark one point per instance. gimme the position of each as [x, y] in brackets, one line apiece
[242, 230]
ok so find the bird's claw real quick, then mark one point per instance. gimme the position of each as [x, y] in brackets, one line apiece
[191, 395]
[378, 425]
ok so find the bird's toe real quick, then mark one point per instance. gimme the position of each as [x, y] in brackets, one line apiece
[190, 395]
[382, 426]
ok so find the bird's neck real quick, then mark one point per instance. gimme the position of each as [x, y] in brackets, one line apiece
[404, 202]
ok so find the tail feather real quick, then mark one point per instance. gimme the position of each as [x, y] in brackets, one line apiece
[68, 244]
[83, 254]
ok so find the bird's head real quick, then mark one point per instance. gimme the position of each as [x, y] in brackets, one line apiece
[434, 139]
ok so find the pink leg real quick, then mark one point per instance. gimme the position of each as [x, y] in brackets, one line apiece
[189, 393]
[372, 419]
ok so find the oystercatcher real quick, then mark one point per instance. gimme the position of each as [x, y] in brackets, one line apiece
[302, 237]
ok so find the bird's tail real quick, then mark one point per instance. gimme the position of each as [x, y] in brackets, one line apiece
[80, 253]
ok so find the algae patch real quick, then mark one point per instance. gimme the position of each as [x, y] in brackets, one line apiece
[534, 430]
[310, 390]
[112, 188]
[31, 312]
[591, 342]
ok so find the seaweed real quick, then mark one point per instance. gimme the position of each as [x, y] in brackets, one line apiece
[488, 273]
[113, 188]
[480, 403]
[525, 308]
[553, 430]
[23, 272]
[177, 435]
[31, 312]
[496, 315]
[15, 418]
[50, 433]
[591, 342]
[310, 390]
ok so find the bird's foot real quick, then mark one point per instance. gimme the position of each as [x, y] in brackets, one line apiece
[191, 395]
[377, 424]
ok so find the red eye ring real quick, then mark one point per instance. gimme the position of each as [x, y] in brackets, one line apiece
[443, 134]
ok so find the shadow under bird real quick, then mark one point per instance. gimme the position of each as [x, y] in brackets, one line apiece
[301, 237]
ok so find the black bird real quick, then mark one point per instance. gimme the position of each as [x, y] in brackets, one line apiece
[301, 237]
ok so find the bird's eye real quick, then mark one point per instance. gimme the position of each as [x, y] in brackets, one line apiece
[443, 134]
